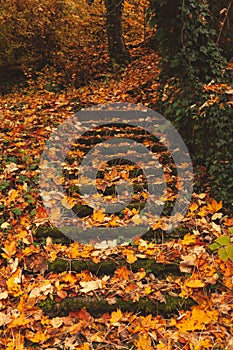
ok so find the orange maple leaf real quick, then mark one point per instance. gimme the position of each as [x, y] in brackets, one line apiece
[214, 206]
[228, 222]
[41, 213]
[122, 272]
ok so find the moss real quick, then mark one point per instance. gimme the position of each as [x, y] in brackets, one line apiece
[97, 307]
[160, 236]
[45, 231]
[82, 210]
[109, 267]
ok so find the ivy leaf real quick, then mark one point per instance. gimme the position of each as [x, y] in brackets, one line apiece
[16, 211]
[229, 250]
[214, 246]
[223, 240]
[223, 254]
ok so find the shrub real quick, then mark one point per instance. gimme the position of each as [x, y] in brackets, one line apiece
[34, 32]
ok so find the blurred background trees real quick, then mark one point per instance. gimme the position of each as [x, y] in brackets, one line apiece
[35, 33]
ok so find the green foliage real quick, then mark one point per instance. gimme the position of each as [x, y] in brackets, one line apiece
[186, 39]
[192, 95]
[223, 246]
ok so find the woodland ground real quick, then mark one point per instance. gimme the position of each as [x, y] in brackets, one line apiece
[57, 294]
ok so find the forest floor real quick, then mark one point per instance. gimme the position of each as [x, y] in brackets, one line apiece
[59, 294]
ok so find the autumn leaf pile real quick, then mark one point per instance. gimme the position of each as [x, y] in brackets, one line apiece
[29, 279]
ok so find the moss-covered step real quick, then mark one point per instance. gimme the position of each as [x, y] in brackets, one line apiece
[157, 236]
[44, 231]
[108, 267]
[98, 306]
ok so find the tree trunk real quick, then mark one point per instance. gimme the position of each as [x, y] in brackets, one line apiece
[118, 52]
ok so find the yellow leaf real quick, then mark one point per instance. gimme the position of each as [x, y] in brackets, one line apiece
[74, 251]
[17, 343]
[162, 346]
[13, 283]
[84, 346]
[134, 211]
[193, 207]
[197, 319]
[131, 258]
[202, 195]
[19, 321]
[98, 216]
[143, 342]
[137, 219]
[188, 239]
[12, 195]
[202, 211]
[116, 316]
[28, 250]
[52, 256]
[5, 225]
[113, 221]
[157, 224]
[19, 144]
[68, 277]
[148, 290]
[68, 202]
[9, 249]
[38, 337]
[185, 292]
[195, 283]
[205, 344]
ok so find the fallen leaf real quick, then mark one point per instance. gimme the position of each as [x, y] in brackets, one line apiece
[194, 283]
[144, 342]
[115, 317]
[90, 286]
